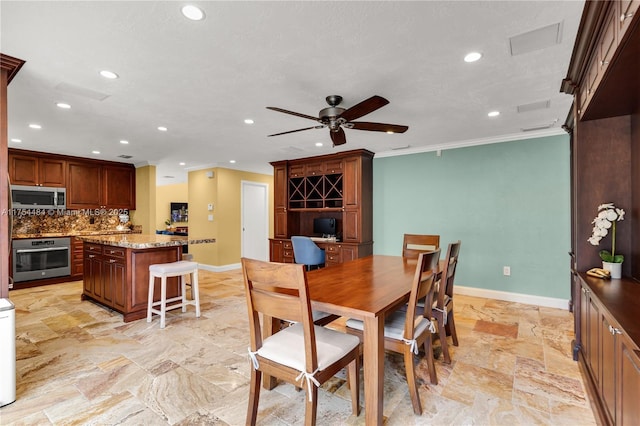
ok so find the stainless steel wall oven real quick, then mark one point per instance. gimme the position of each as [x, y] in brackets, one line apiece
[39, 258]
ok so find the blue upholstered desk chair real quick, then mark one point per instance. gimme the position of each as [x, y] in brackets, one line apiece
[306, 252]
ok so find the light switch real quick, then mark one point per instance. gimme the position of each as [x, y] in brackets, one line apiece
[210, 218]
[210, 207]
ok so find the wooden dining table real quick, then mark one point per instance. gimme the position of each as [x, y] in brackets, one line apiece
[367, 289]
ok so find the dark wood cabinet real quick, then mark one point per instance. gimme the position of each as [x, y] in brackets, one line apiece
[36, 170]
[119, 187]
[96, 185]
[77, 258]
[337, 186]
[118, 277]
[609, 349]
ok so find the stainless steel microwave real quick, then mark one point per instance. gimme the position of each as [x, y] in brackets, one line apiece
[38, 197]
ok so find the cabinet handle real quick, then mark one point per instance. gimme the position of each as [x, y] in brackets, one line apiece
[625, 16]
[603, 63]
[91, 256]
[588, 91]
[112, 261]
[616, 331]
[610, 329]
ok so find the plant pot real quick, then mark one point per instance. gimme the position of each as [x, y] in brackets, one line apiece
[614, 268]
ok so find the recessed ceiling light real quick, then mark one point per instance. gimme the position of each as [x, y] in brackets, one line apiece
[472, 57]
[318, 144]
[108, 74]
[232, 161]
[162, 128]
[168, 177]
[95, 152]
[123, 142]
[16, 140]
[35, 126]
[192, 12]
[494, 113]
[389, 132]
[182, 163]
[63, 105]
[248, 121]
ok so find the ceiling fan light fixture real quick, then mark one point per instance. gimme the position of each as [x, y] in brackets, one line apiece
[193, 12]
[472, 57]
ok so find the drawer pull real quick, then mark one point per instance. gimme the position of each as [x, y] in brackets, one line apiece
[91, 256]
[112, 261]
[603, 63]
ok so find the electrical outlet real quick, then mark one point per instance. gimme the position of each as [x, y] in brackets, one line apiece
[210, 218]
[506, 270]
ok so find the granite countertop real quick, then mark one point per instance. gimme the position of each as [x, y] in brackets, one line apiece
[142, 241]
[70, 234]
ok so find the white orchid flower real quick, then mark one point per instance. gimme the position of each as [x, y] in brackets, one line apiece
[606, 206]
[620, 214]
[602, 232]
[603, 223]
[594, 240]
[602, 215]
[611, 215]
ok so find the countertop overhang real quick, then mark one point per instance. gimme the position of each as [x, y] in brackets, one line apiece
[70, 234]
[143, 241]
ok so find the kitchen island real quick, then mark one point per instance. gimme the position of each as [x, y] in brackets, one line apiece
[116, 269]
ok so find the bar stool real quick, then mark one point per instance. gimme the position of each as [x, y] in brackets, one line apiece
[174, 269]
[188, 257]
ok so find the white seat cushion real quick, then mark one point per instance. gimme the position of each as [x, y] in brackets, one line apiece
[394, 325]
[287, 346]
[181, 266]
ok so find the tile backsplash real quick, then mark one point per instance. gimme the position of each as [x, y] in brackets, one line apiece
[71, 221]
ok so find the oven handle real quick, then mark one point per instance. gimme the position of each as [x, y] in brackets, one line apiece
[41, 249]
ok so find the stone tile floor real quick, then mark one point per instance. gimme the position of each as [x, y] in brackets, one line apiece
[78, 363]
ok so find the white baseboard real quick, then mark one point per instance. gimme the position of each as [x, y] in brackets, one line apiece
[222, 268]
[548, 302]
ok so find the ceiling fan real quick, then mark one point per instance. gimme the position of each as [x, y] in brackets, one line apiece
[335, 118]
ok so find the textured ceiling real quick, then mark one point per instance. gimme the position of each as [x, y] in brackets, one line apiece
[202, 79]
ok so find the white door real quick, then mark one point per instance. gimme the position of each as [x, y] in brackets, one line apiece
[255, 220]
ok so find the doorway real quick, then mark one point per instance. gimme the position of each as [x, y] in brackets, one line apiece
[255, 220]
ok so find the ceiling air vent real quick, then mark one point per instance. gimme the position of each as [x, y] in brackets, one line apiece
[534, 106]
[536, 39]
[125, 156]
[541, 127]
[81, 91]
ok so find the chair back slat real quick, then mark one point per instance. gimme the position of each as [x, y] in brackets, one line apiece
[414, 244]
[421, 289]
[448, 272]
[279, 290]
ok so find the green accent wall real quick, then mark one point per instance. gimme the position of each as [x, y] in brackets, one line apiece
[509, 204]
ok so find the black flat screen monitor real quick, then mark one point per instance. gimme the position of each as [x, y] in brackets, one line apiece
[325, 226]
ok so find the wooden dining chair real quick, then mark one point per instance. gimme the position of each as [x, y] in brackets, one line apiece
[442, 307]
[406, 330]
[414, 244]
[305, 355]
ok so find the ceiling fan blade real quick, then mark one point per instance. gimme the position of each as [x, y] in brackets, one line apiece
[378, 127]
[294, 113]
[299, 130]
[338, 137]
[364, 108]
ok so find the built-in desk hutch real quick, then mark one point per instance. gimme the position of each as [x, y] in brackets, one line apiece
[337, 186]
[604, 125]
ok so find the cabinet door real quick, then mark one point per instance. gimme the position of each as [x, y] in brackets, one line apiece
[594, 340]
[52, 172]
[114, 286]
[77, 257]
[352, 184]
[93, 276]
[119, 187]
[275, 250]
[280, 201]
[607, 365]
[351, 225]
[624, 16]
[84, 188]
[628, 381]
[349, 253]
[584, 323]
[23, 170]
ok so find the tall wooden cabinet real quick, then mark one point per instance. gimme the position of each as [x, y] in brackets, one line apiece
[338, 186]
[605, 167]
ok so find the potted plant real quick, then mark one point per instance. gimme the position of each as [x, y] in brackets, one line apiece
[603, 224]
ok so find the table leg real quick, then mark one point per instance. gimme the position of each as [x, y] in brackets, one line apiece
[373, 369]
[270, 326]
